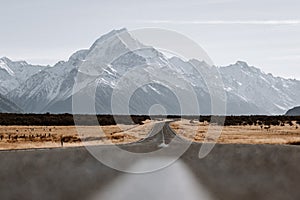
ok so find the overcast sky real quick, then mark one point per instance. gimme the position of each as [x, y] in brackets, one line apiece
[264, 33]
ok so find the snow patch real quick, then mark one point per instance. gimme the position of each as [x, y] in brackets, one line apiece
[4, 66]
[154, 89]
[228, 89]
[280, 107]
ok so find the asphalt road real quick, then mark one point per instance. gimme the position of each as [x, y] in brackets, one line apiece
[230, 171]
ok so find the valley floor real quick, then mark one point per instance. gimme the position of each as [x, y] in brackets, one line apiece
[29, 137]
[197, 132]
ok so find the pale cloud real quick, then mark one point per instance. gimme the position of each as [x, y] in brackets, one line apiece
[225, 22]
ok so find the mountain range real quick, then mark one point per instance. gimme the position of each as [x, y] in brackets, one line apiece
[39, 89]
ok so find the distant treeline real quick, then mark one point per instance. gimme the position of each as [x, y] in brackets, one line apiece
[280, 120]
[90, 120]
[67, 119]
[244, 119]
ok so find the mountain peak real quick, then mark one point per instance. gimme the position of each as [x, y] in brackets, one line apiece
[114, 33]
[4, 64]
[8, 61]
[111, 34]
[5, 59]
[199, 63]
[242, 63]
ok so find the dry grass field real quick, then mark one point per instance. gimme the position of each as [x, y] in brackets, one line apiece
[254, 134]
[26, 137]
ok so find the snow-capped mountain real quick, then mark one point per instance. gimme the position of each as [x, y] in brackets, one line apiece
[273, 94]
[117, 62]
[55, 84]
[13, 74]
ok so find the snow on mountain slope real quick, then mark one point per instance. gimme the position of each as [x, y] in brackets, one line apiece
[144, 65]
[267, 92]
[200, 75]
[52, 83]
[112, 56]
[13, 74]
[56, 83]
[4, 66]
[106, 49]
